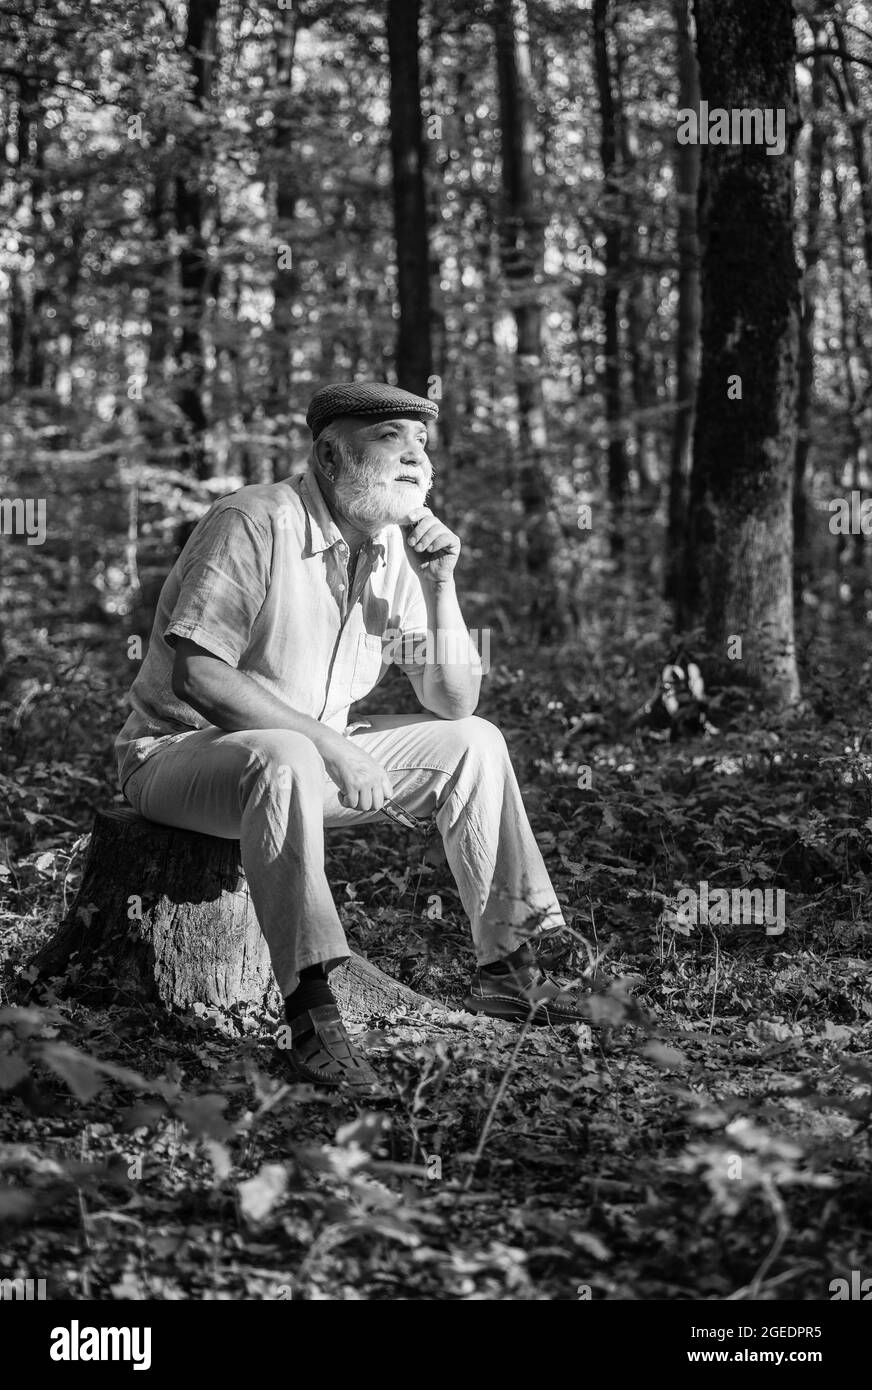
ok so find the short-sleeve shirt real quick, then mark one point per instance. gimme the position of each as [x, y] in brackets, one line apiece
[263, 584]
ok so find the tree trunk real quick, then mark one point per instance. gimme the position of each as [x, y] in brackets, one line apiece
[26, 348]
[40, 222]
[413, 352]
[444, 428]
[201, 41]
[740, 543]
[159, 344]
[522, 247]
[160, 281]
[849, 344]
[164, 916]
[857, 121]
[638, 303]
[805, 379]
[617, 461]
[687, 334]
[285, 275]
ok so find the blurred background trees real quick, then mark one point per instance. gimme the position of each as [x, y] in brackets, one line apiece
[210, 208]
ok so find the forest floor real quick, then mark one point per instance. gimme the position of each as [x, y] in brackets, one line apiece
[707, 1136]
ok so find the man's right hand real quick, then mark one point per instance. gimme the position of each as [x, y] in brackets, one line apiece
[363, 783]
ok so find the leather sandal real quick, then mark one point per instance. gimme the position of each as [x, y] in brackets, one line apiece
[322, 1052]
[525, 992]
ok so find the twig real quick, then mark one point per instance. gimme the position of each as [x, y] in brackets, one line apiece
[501, 1089]
[715, 989]
[83, 1216]
[782, 1230]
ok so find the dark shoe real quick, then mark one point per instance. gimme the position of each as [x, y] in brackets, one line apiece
[322, 1052]
[522, 990]
[551, 948]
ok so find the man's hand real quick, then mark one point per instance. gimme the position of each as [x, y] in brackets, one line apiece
[431, 548]
[363, 783]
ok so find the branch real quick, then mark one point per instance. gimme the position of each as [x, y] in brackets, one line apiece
[835, 53]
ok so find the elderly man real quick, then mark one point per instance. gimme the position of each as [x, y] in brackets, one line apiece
[287, 605]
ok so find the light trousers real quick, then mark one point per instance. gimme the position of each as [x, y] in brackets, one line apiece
[269, 789]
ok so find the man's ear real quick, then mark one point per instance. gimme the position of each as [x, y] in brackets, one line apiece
[325, 456]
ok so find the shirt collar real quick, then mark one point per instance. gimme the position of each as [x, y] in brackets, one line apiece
[324, 534]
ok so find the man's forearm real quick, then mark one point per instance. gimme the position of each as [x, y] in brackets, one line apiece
[233, 701]
[452, 671]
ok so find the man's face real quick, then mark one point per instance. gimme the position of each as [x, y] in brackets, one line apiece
[383, 470]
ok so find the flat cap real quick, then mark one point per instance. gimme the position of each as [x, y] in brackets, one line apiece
[371, 398]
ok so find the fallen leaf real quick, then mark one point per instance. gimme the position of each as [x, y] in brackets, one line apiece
[259, 1195]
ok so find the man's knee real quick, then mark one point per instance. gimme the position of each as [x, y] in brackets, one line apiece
[476, 737]
[282, 761]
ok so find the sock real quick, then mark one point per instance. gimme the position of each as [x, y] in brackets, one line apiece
[523, 956]
[312, 991]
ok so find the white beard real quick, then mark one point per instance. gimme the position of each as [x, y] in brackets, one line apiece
[367, 495]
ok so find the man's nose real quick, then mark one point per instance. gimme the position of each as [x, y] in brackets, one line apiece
[415, 453]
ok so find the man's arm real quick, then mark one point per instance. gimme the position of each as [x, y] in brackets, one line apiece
[232, 701]
[451, 683]
[452, 672]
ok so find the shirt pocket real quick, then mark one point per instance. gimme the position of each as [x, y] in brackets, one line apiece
[368, 665]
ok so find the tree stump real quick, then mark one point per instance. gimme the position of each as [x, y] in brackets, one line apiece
[165, 915]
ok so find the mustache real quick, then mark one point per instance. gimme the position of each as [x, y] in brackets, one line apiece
[368, 469]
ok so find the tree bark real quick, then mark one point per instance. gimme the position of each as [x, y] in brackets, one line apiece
[687, 331]
[849, 342]
[740, 551]
[160, 280]
[522, 245]
[414, 350]
[609, 145]
[805, 379]
[285, 275]
[638, 304]
[28, 292]
[857, 121]
[201, 42]
[19, 306]
[164, 916]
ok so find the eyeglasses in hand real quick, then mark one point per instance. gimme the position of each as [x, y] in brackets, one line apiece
[400, 816]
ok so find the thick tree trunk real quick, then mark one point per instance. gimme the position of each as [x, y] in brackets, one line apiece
[165, 916]
[522, 253]
[414, 351]
[201, 42]
[805, 381]
[687, 334]
[617, 461]
[740, 551]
